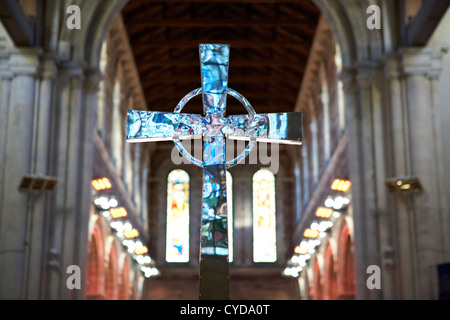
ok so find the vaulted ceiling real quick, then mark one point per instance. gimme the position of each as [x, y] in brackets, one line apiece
[270, 42]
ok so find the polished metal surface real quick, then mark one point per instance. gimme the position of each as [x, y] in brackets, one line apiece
[160, 126]
[214, 66]
[214, 128]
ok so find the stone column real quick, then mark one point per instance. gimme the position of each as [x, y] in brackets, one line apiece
[18, 113]
[40, 165]
[73, 152]
[419, 68]
[403, 238]
[365, 154]
[419, 227]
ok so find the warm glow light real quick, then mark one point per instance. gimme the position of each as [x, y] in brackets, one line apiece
[141, 250]
[311, 233]
[101, 184]
[301, 250]
[130, 234]
[107, 183]
[324, 212]
[341, 185]
[118, 213]
[405, 186]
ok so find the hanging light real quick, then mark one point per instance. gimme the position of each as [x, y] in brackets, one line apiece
[312, 234]
[141, 250]
[131, 234]
[101, 184]
[341, 185]
[322, 212]
[301, 250]
[118, 212]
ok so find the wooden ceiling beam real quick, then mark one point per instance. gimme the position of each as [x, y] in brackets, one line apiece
[218, 23]
[232, 80]
[231, 1]
[240, 43]
[247, 63]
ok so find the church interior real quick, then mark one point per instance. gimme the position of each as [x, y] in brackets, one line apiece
[359, 211]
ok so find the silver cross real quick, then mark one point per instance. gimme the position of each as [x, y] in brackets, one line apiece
[214, 127]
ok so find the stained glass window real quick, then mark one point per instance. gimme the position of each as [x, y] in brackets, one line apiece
[264, 224]
[230, 215]
[177, 231]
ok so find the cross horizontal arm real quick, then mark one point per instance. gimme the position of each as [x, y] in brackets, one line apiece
[283, 128]
[145, 126]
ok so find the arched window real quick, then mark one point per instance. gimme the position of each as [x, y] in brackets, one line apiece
[101, 90]
[177, 230]
[230, 215]
[264, 222]
[305, 158]
[129, 163]
[325, 99]
[117, 129]
[340, 88]
[314, 150]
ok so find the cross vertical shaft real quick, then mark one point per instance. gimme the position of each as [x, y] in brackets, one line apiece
[214, 267]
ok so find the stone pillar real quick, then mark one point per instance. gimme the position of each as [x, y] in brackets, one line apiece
[40, 165]
[73, 152]
[18, 123]
[419, 69]
[419, 228]
[394, 132]
[365, 113]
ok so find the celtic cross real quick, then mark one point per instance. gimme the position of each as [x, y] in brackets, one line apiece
[214, 128]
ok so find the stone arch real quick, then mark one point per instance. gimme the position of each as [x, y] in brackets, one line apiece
[95, 266]
[134, 279]
[124, 277]
[317, 283]
[111, 270]
[303, 284]
[346, 270]
[329, 274]
[348, 21]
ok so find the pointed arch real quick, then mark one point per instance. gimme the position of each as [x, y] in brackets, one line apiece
[111, 272]
[330, 275]
[317, 287]
[124, 283]
[95, 266]
[346, 271]
[304, 288]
